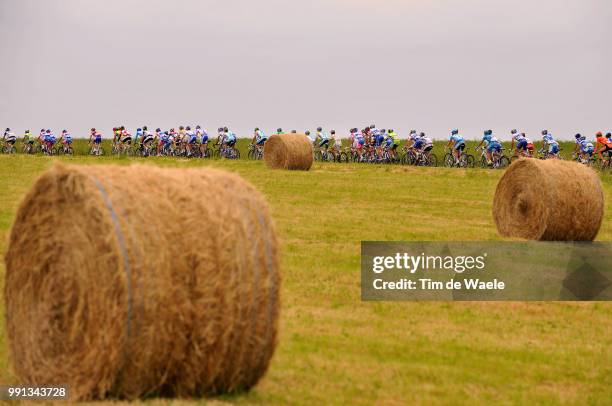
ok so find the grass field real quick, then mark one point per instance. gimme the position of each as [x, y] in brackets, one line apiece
[333, 348]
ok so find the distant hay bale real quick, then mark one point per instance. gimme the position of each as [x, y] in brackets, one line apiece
[136, 281]
[550, 200]
[288, 151]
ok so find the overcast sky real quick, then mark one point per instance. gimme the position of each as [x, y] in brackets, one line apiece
[426, 64]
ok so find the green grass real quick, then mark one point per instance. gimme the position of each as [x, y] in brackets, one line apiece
[336, 349]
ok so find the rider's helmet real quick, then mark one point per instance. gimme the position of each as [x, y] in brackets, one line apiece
[220, 129]
[198, 127]
[293, 131]
[333, 131]
[181, 127]
[513, 132]
[256, 129]
[599, 134]
[390, 131]
[489, 132]
[27, 131]
[544, 132]
[48, 131]
[122, 128]
[609, 135]
[577, 136]
[372, 127]
[7, 129]
[144, 128]
[412, 132]
[454, 131]
[64, 131]
[279, 130]
[383, 131]
[319, 129]
[93, 130]
[139, 129]
[188, 128]
[307, 132]
[157, 130]
[225, 129]
[422, 135]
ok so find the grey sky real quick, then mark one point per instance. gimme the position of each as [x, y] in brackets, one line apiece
[431, 65]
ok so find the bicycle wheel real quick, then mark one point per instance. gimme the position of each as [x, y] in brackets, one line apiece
[236, 154]
[470, 160]
[484, 163]
[433, 160]
[449, 160]
[503, 162]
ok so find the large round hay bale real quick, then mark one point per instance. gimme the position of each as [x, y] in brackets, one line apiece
[135, 281]
[549, 200]
[288, 151]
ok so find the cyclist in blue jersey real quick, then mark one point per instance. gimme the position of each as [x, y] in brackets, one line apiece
[586, 149]
[323, 136]
[549, 145]
[458, 144]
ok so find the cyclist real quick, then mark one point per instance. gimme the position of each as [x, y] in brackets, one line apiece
[9, 138]
[203, 141]
[191, 139]
[125, 138]
[259, 137]
[586, 149]
[220, 136]
[202, 135]
[485, 142]
[323, 136]
[65, 140]
[522, 143]
[311, 137]
[147, 139]
[458, 144]
[395, 142]
[378, 138]
[138, 136]
[230, 137]
[95, 140]
[604, 146]
[49, 141]
[549, 145]
[422, 143]
[28, 141]
[336, 143]
[164, 141]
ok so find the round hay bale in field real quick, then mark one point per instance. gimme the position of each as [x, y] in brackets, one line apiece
[550, 200]
[288, 151]
[136, 281]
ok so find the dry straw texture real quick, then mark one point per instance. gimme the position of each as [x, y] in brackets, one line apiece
[549, 200]
[288, 151]
[138, 281]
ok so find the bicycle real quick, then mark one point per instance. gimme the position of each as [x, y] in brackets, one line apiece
[8, 148]
[498, 159]
[465, 160]
[255, 152]
[64, 149]
[96, 149]
[323, 155]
